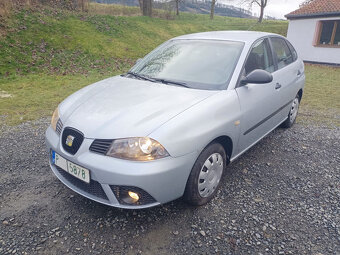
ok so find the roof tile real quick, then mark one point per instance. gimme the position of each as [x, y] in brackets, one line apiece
[316, 7]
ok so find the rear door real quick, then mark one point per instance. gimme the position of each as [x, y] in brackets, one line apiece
[257, 101]
[286, 77]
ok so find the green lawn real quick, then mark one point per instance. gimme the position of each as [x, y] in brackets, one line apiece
[321, 99]
[48, 54]
[34, 96]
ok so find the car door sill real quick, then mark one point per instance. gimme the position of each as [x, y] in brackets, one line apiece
[235, 157]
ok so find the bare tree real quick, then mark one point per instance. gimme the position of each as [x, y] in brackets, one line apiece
[82, 4]
[177, 6]
[261, 3]
[212, 8]
[146, 7]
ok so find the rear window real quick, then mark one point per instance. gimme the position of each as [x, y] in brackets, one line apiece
[294, 53]
[282, 52]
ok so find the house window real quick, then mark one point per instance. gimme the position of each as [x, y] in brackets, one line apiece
[328, 33]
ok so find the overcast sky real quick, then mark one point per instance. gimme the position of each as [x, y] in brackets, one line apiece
[275, 8]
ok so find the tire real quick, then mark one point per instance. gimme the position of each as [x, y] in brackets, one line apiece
[204, 179]
[293, 112]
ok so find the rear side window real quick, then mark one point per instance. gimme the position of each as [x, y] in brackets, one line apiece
[293, 51]
[282, 52]
[260, 58]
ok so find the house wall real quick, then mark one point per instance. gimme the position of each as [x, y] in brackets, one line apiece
[301, 34]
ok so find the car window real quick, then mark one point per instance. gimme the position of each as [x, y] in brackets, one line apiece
[281, 52]
[293, 51]
[260, 58]
[201, 64]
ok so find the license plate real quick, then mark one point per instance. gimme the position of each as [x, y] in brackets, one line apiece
[77, 171]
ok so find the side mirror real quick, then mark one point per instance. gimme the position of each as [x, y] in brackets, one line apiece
[257, 76]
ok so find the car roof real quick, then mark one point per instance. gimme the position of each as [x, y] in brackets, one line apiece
[243, 36]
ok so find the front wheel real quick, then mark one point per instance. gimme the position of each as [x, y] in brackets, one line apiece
[292, 113]
[206, 175]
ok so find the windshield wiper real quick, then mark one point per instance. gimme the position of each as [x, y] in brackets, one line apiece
[165, 81]
[183, 84]
[141, 76]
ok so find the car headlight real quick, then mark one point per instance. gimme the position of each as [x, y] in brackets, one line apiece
[55, 118]
[137, 148]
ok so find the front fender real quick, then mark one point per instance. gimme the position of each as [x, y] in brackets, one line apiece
[193, 129]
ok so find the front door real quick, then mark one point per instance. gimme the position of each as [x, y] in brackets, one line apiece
[257, 101]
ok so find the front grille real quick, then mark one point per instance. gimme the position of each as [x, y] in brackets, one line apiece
[93, 188]
[122, 191]
[101, 146]
[59, 126]
[78, 139]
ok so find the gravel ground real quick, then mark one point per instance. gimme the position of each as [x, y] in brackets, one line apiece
[281, 197]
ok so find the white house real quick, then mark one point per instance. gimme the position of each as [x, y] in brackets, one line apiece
[314, 30]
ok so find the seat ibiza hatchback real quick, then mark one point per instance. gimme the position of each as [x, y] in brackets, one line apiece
[169, 127]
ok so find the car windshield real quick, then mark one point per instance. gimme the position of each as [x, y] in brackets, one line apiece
[200, 64]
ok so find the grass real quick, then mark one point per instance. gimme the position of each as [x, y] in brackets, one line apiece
[113, 9]
[47, 54]
[34, 96]
[62, 42]
[5, 7]
[321, 99]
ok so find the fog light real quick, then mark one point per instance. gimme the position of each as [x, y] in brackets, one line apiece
[133, 195]
[132, 198]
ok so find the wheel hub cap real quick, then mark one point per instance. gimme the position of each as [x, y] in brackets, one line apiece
[210, 175]
[294, 110]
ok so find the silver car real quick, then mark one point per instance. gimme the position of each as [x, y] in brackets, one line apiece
[169, 127]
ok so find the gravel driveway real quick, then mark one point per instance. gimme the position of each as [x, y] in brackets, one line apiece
[281, 197]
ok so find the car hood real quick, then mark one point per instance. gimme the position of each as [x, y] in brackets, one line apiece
[121, 107]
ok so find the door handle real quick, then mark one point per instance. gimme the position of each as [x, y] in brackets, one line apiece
[299, 73]
[278, 85]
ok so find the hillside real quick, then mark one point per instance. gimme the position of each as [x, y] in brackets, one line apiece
[46, 54]
[56, 41]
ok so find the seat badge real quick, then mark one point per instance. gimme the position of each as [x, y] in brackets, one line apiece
[69, 140]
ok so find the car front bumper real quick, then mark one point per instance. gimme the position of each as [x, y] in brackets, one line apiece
[164, 179]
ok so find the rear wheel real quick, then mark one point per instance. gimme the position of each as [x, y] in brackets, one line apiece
[206, 175]
[292, 113]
